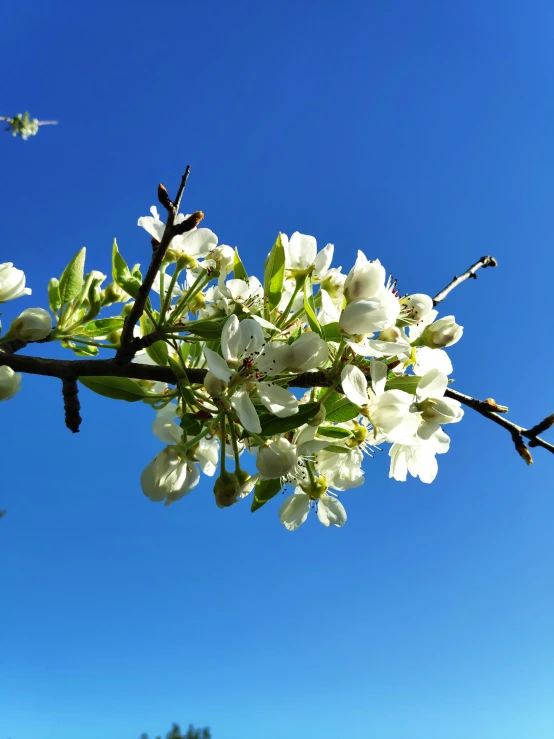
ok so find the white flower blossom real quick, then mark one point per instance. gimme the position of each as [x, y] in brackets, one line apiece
[12, 283]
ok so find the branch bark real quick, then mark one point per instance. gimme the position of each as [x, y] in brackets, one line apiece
[471, 272]
[75, 368]
[488, 409]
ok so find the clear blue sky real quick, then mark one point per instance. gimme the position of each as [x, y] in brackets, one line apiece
[421, 133]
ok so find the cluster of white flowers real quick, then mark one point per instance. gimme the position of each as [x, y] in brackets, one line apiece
[374, 361]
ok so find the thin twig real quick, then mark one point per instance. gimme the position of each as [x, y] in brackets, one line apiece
[517, 432]
[471, 272]
[126, 350]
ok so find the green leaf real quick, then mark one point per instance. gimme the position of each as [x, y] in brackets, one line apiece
[407, 383]
[71, 280]
[334, 432]
[272, 425]
[157, 352]
[274, 274]
[54, 299]
[340, 409]
[118, 388]
[190, 424]
[336, 449]
[209, 329]
[100, 327]
[332, 332]
[265, 490]
[84, 350]
[177, 369]
[238, 267]
[294, 335]
[309, 307]
[122, 275]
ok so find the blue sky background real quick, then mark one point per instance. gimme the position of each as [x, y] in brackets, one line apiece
[421, 133]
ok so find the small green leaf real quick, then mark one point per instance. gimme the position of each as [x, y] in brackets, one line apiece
[295, 335]
[122, 275]
[71, 280]
[238, 267]
[54, 299]
[309, 307]
[334, 432]
[407, 383]
[118, 388]
[274, 274]
[265, 490]
[209, 329]
[332, 332]
[157, 352]
[336, 449]
[272, 425]
[190, 424]
[177, 369]
[100, 327]
[84, 350]
[340, 409]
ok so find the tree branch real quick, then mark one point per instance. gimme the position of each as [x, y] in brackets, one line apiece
[471, 272]
[489, 409]
[75, 368]
[128, 349]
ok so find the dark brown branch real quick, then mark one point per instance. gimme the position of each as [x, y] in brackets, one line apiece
[75, 368]
[471, 272]
[127, 349]
[517, 432]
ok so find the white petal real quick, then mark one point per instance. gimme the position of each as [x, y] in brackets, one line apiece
[354, 385]
[277, 400]
[330, 511]
[294, 511]
[196, 243]
[164, 427]
[302, 251]
[378, 371]
[432, 385]
[274, 358]
[324, 259]
[246, 412]
[428, 359]
[153, 226]
[230, 339]
[251, 338]
[217, 365]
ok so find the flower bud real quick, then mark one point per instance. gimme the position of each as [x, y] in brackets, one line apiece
[168, 476]
[364, 280]
[213, 385]
[368, 315]
[277, 459]
[114, 294]
[12, 283]
[10, 382]
[33, 324]
[226, 490]
[308, 352]
[440, 410]
[392, 334]
[441, 333]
